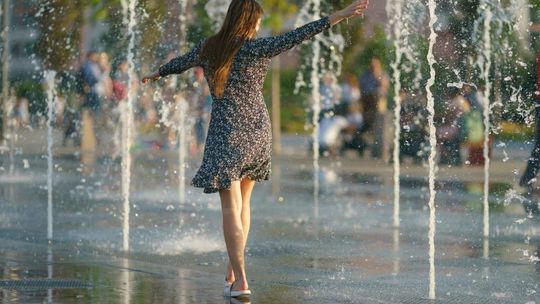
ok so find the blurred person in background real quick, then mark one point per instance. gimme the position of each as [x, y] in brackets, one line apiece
[105, 88]
[90, 79]
[449, 132]
[473, 125]
[202, 107]
[105, 84]
[330, 125]
[71, 86]
[330, 94]
[533, 163]
[22, 112]
[374, 85]
[350, 108]
[329, 134]
[120, 82]
[350, 91]
[413, 141]
[353, 131]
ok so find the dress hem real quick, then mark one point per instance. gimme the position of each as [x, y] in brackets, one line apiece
[225, 184]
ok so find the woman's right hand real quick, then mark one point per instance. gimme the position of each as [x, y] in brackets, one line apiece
[153, 77]
[355, 9]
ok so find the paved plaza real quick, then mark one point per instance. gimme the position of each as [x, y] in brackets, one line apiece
[341, 248]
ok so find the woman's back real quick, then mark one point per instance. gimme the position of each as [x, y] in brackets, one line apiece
[250, 65]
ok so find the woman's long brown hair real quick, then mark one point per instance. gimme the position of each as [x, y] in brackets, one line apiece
[239, 25]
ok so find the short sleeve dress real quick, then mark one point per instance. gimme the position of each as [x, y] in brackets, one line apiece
[239, 140]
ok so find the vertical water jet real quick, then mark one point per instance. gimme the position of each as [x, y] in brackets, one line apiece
[129, 9]
[487, 110]
[395, 8]
[49, 77]
[181, 112]
[4, 12]
[432, 6]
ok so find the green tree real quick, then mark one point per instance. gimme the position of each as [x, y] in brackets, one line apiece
[62, 25]
[60, 22]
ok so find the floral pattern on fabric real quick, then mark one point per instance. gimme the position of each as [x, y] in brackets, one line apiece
[239, 140]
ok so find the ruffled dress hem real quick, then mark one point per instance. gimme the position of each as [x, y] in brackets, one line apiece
[224, 181]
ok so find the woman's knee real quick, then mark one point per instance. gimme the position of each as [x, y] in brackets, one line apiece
[231, 198]
[246, 180]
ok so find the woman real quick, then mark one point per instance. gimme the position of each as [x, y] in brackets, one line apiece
[238, 145]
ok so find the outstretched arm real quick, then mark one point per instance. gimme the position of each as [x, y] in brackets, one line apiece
[177, 65]
[355, 9]
[273, 46]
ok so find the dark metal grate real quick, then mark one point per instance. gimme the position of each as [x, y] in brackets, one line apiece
[42, 284]
[456, 299]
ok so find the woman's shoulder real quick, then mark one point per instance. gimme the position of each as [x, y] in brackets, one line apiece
[200, 43]
[255, 46]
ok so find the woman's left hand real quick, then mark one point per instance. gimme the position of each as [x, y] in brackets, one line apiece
[355, 9]
[153, 77]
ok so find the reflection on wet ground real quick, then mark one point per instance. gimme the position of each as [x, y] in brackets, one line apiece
[346, 252]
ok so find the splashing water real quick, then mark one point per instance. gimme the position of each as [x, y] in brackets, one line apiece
[334, 43]
[487, 111]
[395, 9]
[50, 272]
[166, 110]
[494, 47]
[49, 77]
[4, 12]
[316, 95]
[305, 17]
[126, 280]
[182, 19]
[10, 136]
[432, 5]
[117, 132]
[403, 27]
[411, 22]
[127, 118]
[502, 146]
[174, 116]
[181, 110]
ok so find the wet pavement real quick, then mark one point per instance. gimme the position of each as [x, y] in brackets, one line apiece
[341, 248]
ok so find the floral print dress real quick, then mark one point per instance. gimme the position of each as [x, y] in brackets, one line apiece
[239, 140]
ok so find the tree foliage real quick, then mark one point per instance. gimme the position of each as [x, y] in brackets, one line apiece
[276, 13]
[60, 22]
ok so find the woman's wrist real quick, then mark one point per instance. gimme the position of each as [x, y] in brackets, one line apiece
[355, 9]
[336, 18]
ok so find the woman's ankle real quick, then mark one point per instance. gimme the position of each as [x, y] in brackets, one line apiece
[229, 276]
[240, 284]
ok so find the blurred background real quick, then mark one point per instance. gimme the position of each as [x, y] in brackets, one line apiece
[58, 35]
[95, 202]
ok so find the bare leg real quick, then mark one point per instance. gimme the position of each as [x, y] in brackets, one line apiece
[231, 207]
[246, 186]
